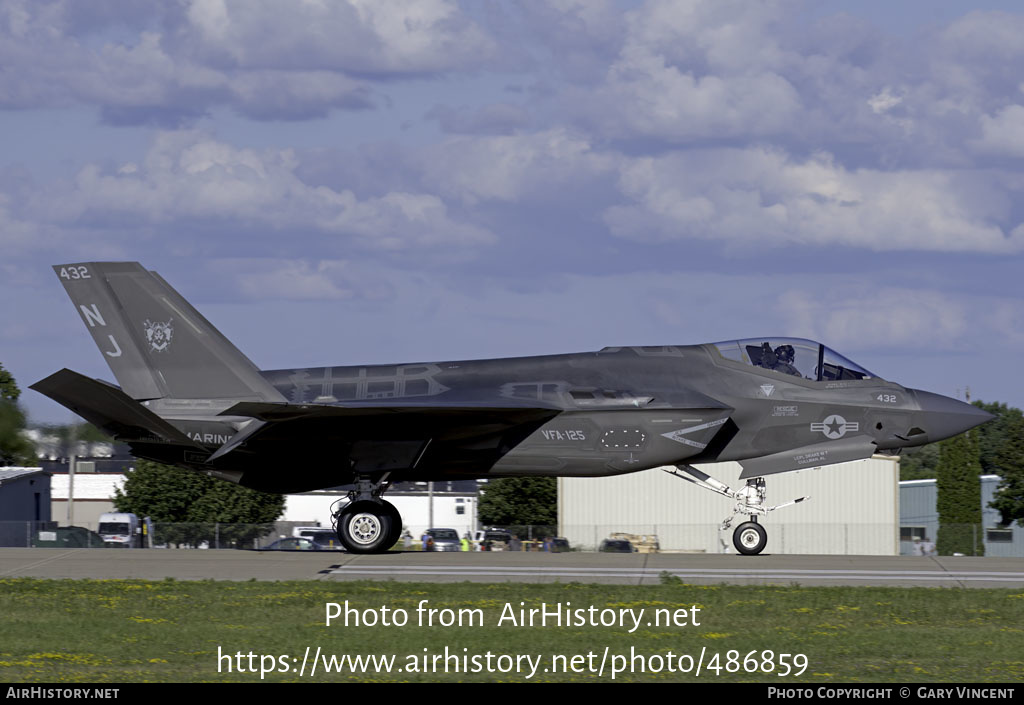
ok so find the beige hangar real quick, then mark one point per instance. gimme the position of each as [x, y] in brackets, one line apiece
[853, 509]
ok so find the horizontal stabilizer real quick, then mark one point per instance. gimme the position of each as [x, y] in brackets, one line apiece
[107, 407]
[827, 453]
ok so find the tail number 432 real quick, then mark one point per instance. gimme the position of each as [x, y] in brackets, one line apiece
[75, 272]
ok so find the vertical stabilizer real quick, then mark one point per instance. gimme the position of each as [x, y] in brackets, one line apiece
[156, 343]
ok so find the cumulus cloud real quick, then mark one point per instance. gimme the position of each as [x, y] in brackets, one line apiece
[16, 235]
[656, 99]
[684, 73]
[359, 36]
[189, 178]
[856, 316]
[1002, 133]
[508, 168]
[303, 280]
[572, 39]
[266, 60]
[762, 197]
[696, 70]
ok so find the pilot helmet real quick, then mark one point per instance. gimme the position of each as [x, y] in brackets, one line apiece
[785, 353]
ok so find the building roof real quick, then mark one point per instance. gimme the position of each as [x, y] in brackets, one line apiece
[932, 481]
[8, 474]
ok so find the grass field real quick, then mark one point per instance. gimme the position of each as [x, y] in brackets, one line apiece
[122, 631]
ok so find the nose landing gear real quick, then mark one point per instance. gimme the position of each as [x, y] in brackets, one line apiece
[750, 537]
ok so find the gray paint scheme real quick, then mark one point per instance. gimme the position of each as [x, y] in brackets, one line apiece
[188, 397]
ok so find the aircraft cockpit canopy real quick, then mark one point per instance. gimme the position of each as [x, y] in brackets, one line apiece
[794, 356]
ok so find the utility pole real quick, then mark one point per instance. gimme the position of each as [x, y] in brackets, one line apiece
[71, 490]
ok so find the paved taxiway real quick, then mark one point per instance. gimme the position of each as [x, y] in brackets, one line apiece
[636, 569]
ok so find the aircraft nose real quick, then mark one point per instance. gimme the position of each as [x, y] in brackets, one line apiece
[945, 417]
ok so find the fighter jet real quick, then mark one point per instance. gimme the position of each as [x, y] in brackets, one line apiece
[187, 397]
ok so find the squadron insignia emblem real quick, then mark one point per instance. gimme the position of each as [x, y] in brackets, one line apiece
[158, 335]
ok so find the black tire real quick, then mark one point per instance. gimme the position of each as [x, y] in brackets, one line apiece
[366, 526]
[750, 538]
[396, 525]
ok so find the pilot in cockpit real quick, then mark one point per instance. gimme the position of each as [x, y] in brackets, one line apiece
[784, 355]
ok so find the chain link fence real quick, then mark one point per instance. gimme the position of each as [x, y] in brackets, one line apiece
[783, 538]
[212, 535]
[38, 534]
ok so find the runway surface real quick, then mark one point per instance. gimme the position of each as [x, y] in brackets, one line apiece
[636, 569]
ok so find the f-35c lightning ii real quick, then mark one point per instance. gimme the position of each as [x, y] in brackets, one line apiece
[188, 397]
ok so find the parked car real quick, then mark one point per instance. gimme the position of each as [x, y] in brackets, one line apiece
[560, 545]
[291, 544]
[444, 540]
[492, 540]
[325, 539]
[616, 546]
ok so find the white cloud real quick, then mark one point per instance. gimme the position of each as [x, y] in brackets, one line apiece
[762, 197]
[16, 235]
[703, 69]
[1002, 133]
[881, 103]
[267, 60]
[509, 168]
[188, 177]
[303, 280]
[366, 36]
[645, 96]
[859, 316]
[989, 35]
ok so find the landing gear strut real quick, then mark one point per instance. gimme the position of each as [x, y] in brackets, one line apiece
[750, 537]
[368, 523]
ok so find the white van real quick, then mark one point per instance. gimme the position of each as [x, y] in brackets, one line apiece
[119, 530]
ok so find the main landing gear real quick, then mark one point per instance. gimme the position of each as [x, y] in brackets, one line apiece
[368, 523]
[750, 537]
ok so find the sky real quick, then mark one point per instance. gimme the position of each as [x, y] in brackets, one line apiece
[361, 182]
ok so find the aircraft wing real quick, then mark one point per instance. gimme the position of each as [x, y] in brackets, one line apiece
[400, 432]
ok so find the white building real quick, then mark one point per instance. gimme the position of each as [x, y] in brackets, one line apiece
[453, 505]
[93, 496]
[854, 509]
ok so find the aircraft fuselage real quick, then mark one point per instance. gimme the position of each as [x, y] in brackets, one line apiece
[614, 411]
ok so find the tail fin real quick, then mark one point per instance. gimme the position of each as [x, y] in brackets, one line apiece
[156, 344]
